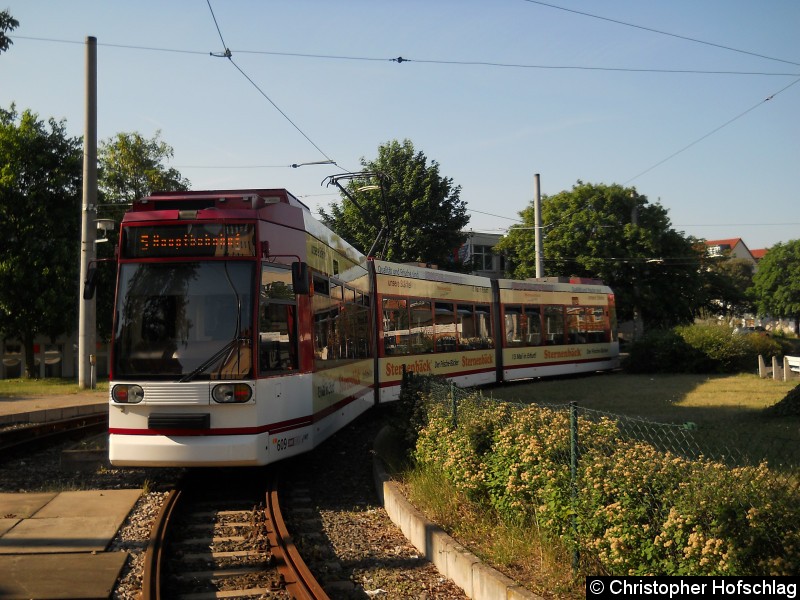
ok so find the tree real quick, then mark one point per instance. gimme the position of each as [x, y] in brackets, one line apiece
[40, 207]
[612, 233]
[130, 167]
[425, 214]
[776, 284]
[727, 282]
[7, 24]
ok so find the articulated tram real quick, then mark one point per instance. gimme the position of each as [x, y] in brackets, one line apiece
[246, 332]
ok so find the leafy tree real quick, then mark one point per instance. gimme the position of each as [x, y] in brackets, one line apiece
[612, 233]
[425, 213]
[776, 284]
[130, 167]
[727, 282]
[40, 208]
[7, 24]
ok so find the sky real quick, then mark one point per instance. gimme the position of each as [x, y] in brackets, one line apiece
[695, 104]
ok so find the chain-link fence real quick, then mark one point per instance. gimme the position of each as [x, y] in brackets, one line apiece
[624, 495]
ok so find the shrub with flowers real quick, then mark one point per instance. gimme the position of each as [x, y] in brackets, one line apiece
[638, 510]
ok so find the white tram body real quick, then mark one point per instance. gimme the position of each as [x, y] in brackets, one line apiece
[246, 332]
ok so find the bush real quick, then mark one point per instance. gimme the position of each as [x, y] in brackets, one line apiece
[637, 510]
[658, 351]
[699, 349]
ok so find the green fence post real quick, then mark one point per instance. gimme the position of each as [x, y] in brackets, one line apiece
[573, 478]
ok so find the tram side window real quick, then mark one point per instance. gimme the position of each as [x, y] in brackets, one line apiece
[576, 325]
[445, 327]
[346, 332]
[395, 326]
[341, 325]
[514, 325]
[597, 326]
[277, 325]
[325, 334]
[421, 327]
[483, 326]
[363, 345]
[467, 334]
[533, 317]
[554, 325]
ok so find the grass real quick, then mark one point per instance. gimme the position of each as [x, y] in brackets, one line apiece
[664, 398]
[724, 408]
[17, 388]
[515, 549]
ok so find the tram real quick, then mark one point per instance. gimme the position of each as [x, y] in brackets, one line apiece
[246, 332]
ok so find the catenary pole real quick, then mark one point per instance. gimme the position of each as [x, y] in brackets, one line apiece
[87, 315]
[537, 227]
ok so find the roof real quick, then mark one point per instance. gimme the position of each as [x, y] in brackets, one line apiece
[759, 254]
[729, 242]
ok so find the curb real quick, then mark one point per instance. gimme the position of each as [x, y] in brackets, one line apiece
[47, 415]
[479, 581]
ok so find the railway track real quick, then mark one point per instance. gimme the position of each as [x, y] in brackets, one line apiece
[27, 438]
[222, 535]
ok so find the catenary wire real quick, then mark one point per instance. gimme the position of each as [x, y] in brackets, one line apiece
[712, 132]
[227, 54]
[401, 60]
[658, 31]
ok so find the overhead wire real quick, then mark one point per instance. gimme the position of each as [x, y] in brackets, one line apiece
[401, 60]
[712, 132]
[660, 32]
[228, 54]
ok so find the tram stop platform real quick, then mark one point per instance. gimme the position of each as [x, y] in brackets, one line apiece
[52, 544]
[46, 408]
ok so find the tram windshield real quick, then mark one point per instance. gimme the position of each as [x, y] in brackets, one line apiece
[185, 320]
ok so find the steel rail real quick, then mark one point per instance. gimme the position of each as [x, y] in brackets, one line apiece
[296, 576]
[153, 561]
[12, 440]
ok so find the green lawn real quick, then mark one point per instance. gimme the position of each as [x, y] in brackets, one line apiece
[14, 388]
[726, 409]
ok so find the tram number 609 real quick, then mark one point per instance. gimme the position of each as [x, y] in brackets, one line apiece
[280, 443]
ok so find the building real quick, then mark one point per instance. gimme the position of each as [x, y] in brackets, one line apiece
[730, 248]
[478, 249]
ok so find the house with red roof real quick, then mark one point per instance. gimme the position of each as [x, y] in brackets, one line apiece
[730, 248]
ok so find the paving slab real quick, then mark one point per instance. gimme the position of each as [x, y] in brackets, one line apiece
[60, 576]
[23, 506]
[64, 534]
[7, 523]
[87, 503]
[80, 521]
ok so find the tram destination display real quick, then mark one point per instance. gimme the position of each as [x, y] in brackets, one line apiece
[189, 240]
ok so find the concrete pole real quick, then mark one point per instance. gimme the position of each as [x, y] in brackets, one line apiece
[537, 227]
[638, 320]
[87, 318]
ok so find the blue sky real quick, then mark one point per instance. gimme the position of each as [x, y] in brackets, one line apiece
[569, 96]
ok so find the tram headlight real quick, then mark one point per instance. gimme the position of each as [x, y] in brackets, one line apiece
[127, 394]
[232, 393]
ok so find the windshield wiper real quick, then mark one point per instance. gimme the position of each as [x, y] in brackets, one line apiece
[214, 358]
